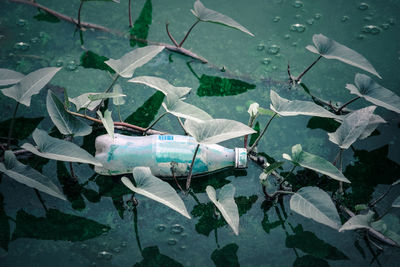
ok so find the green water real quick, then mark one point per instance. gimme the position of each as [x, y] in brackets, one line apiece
[96, 227]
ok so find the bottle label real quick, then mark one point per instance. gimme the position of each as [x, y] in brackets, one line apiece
[166, 137]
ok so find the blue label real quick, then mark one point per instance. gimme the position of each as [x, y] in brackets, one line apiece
[166, 137]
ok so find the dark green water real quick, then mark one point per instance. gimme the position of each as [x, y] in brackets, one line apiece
[96, 227]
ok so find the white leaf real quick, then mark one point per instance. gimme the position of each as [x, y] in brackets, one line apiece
[161, 85]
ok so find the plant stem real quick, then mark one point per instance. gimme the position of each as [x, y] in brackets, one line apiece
[347, 103]
[41, 200]
[216, 236]
[187, 34]
[173, 175]
[181, 123]
[119, 113]
[112, 83]
[154, 122]
[262, 133]
[79, 14]
[170, 36]
[130, 16]
[189, 178]
[135, 226]
[340, 169]
[291, 171]
[250, 124]
[307, 69]
[10, 131]
[373, 203]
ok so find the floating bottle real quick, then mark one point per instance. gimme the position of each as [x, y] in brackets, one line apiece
[165, 155]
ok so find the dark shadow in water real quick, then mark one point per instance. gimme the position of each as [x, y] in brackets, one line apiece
[309, 243]
[226, 256]
[326, 124]
[145, 114]
[208, 222]
[91, 60]
[73, 190]
[307, 177]
[153, 257]
[215, 179]
[23, 127]
[308, 261]
[218, 86]
[141, 26]
[57, 226]
[4, 226]
[45, 16]
[369, 170]
[255, 135]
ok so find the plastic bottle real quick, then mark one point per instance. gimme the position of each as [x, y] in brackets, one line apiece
[161, 153]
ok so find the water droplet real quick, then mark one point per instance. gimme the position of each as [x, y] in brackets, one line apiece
[367, 18]
[176, 229]
[183, 235]
[385, 26]
[345, 18]
[71, 66]
[35, 40]
[371, 29]
[124, 244]
[310, 21]
[117, 250]
[172, 241]
[294, 44]
[273, 50]
[183, 247]
[21, 22]
[21, 46]
[266, 61]
[276, 19]
[297, 4]
[392, 21]
[297, 27]
[260, 47]
[274, 67]
[161, 227]
[317, 16]
[297, 16]
[361, 37]
[104, 255]
[363, 6]
[287, 36]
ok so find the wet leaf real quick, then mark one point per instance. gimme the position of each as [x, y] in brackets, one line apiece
[92, 100]
[107, 122]
[173, 105]
[161, 85]
[8, 77]
[358, 222]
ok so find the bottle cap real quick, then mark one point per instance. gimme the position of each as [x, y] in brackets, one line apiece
[240, 158]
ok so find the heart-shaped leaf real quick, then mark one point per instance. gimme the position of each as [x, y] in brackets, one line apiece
[118, 101]
[314, 203]
[30, 85]
[90, 101]
[178, 108]
[57, 149]
[314, 162]
[358, 222]
[28, 176]
[285, 107]
[216, 130]
[331, 49]
[8, 77]
[161, 85]
[66, 123]
[128, 63]
[107, 122]
[357, 124]
[154, 188]
[226, 204]
[373, 92]
[208, 15]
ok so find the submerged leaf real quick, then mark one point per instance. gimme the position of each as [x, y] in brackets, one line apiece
[65, 122]
[8, 77]
[208, 15]
[128, 63]
[146, 113]
[316, 163]
[107, 122]
[92, 60]
[178, 108]
[358, 222]
[28, 176]
[373, 92]
[23, 127]
[140, 28]
[216, 130]
[331, 49]
[314, 203]
[285, 107]
[220, 86]
[154, 188]
[161, 85]
[226, 256]
[30, 85]
[226, 204]
[57, 149]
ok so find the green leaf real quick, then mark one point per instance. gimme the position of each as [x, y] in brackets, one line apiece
[30, 85]
[141, 27]
[66, 123]
[396, 203]
[53, 148]
[216, 130]
[373, 92]
[154, 188]
[28, 176]
[226, 256]
[161, 85]
[358, 124]
[127, 64]
[146, 113]
[118, 100]
[285, 107]
[208, 15]
[314, 162]
[107, 122]
[265, 111]
[221, 86]
[331, 49]
[8, 77]
[359, 221]
[92, 60]
[23, 127]
[178, 108]
[226, 204]
[314, 203]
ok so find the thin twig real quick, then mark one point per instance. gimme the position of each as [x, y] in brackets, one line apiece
[170, 36]
[174, 176]
[41, 199]
[262, 133]
[188, 32]
[79, 14]
[307, 69]
[130, 16]
[189, 178]
[347, 103]
[154, 123]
